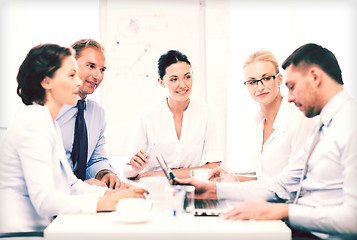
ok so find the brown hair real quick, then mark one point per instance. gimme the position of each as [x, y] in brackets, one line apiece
[41, 61]
[79, 45]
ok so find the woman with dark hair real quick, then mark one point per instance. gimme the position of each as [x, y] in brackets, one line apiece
[37, 182]
[183, 130]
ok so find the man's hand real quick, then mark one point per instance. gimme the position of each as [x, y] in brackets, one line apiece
[257, 211]
[219, 174]
[109, 179]
[203, 190]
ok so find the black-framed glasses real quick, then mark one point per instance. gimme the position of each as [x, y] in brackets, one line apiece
[263, 80]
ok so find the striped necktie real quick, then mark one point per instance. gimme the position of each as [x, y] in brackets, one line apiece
[308, 155]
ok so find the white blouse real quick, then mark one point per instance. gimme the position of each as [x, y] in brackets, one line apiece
[291, 129]
[198, 143]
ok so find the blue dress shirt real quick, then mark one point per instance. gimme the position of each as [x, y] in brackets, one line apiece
[95, 120]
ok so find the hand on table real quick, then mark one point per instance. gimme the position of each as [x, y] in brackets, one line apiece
[219, 174]
[110, 199]
[257, 211]
[110, 179]
[124, 186]
[93, 181]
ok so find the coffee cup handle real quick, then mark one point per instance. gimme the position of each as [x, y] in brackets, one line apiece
[192, 173]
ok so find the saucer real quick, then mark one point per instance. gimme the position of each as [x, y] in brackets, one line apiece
[132, 218]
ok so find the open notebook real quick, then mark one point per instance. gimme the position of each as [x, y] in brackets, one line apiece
[203, 207]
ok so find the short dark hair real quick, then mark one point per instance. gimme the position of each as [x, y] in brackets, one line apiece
[41, 61]
[313, 54]
[168, 59]
[81, 44]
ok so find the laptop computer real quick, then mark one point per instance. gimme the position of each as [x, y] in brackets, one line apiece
[203, 207]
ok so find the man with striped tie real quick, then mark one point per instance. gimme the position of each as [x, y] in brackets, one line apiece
[83, 125]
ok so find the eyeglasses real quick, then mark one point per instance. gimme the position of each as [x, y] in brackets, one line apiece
[263, 80]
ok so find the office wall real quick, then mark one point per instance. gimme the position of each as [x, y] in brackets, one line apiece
[136, 33]
[215, 34]
[25, 24]
[281, 27]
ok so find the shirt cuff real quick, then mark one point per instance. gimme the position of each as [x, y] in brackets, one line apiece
[128, 171]
[225, 190]
[89, 206]
[97, 167]
[297, 215]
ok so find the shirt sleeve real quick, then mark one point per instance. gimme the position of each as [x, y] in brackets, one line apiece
[213, 147]
[250, 190]
[86, 195]
[48, 187]
[98, 160]
[138, 141]
[333, 219]
[279, 188]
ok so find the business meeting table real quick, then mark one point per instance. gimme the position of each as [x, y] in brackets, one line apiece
[161, 224]
[106, 226]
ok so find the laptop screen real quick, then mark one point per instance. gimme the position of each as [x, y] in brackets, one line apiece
[167, 171]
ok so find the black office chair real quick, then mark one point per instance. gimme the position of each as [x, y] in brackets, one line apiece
[28, 235]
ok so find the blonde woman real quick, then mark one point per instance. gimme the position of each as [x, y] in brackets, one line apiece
[280, 128]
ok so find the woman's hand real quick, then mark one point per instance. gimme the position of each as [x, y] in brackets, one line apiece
[109, 200]
[219, 174]
[139, 161]
[96, 182]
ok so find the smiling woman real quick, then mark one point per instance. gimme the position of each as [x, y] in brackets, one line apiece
[183, 130]
[178, 81]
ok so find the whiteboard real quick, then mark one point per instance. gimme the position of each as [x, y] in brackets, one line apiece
[136, 33]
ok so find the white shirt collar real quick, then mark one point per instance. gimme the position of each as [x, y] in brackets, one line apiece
[333, 106]
[282, 116]
[167, 108]
[280, 121]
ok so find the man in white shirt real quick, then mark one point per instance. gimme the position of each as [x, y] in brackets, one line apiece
[327, 205]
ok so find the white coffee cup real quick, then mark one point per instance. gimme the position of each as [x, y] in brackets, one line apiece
[200, 173]
[155, 186]
[133, 210]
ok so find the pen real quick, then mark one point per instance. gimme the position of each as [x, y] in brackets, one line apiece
[150, 148]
